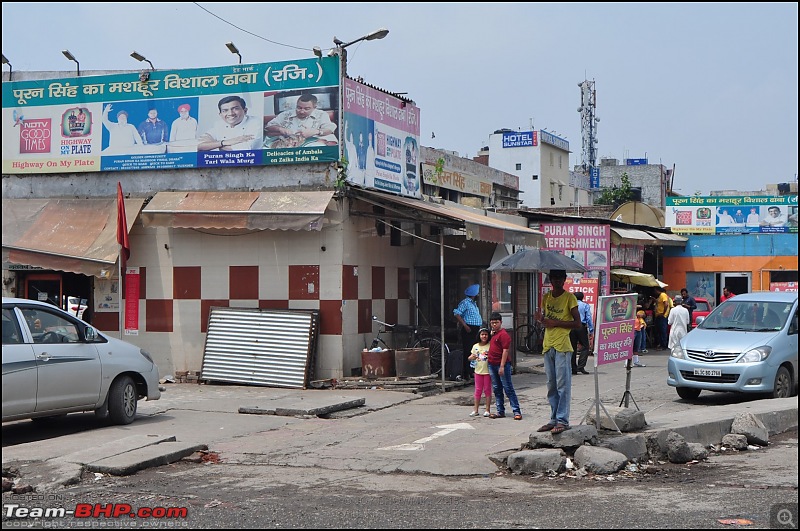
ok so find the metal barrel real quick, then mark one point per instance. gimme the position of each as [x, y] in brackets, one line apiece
[411, 362]
[377, 364]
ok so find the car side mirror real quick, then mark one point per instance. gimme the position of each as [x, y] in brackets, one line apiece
[700, 320]
[90, 333]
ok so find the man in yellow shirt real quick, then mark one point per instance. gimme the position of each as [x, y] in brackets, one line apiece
[661, 336]
[559, 315]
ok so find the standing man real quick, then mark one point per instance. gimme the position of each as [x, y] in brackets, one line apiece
[558, 314]
[184, 127]
[237, 131]
[661, 314]
[469, 318]
[581, 335]
[726, 294]
[500, 369]
[690, 304]
[154, 130]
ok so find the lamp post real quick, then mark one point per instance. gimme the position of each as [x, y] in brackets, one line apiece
[139, 57]
[233, 49]
[5, 62]
[71, 57]
[341, 45]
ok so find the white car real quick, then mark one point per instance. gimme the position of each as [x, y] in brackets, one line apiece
[54, 364]
[76, 306]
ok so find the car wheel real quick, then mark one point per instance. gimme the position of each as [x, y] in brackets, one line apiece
[783, 384]
[122, 400]
[688, 393]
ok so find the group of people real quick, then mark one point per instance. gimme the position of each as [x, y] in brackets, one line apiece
[568, 325]
[490, 350]
[559, 314]
[236, 129]
[774, 218]
[153, 130]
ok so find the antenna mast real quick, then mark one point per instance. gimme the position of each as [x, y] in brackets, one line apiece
[588, 125]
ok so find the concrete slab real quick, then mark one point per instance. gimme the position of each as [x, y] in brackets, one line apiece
[300, 407]
[141, 458]
[114, 448]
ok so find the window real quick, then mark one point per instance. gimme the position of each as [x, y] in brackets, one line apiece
[11, 332]
[551, 159]
[47, 327]
[560, 157]
[534, 177]
[519, 166]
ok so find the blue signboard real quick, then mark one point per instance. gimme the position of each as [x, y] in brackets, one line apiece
[635, 162]
[594, 178]
[519, 139]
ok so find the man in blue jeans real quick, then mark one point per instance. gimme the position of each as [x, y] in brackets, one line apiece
[559, 315]
[500, 369]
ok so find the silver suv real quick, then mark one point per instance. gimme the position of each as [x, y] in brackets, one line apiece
[54, 364]
[748, 344]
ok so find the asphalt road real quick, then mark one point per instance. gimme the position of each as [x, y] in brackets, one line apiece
[405, 461]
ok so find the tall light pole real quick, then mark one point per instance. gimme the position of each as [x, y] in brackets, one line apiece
[71, 57]
[341, 45]
[233, 49]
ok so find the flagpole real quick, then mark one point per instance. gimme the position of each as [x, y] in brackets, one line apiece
[119, 293]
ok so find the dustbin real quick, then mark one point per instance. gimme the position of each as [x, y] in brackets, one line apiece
[411, 362]
[377, 363]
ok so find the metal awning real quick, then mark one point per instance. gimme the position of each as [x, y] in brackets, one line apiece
[669, 239]
[631, 237]
[75, 235]
[238, 210]
[477, 224]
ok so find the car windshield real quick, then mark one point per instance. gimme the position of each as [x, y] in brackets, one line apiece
[702, 306]
[748, 316]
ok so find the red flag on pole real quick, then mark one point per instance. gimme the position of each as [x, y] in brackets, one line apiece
[122, 225]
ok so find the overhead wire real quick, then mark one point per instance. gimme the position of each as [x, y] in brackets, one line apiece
[248, 32]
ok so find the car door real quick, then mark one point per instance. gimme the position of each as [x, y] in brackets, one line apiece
[19, 368]
[69, 369]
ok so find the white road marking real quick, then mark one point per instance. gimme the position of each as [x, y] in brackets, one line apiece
[420, 443]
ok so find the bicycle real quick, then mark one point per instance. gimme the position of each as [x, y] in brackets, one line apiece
[529, 337]
[417, 338]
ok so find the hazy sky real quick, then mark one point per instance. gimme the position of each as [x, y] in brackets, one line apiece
[710, 88]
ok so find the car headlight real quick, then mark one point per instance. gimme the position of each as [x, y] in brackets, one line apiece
[755, 355]
[677, 352]
[146, 355]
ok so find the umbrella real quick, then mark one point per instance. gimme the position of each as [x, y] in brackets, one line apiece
[537, 260]
[636, 277]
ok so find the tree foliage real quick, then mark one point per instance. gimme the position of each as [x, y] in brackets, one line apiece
[616, 195]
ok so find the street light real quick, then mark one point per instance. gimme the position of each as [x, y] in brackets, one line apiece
[232, 47]
[341, 45]
[139, 57]
[71, 57]
[5, 62]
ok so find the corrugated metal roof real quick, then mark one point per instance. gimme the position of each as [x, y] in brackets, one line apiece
[238, 210]
[75, 235]
[477, 225]
[274, 348]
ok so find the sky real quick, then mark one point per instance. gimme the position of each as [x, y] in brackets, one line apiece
[708, 88]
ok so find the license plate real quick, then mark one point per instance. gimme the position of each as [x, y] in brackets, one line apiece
[708, 372]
